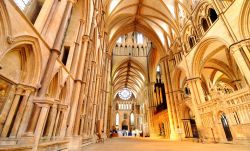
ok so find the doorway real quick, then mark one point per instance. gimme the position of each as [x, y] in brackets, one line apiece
[226, 127]
[125, 125]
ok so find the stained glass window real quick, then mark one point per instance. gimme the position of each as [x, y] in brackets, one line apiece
[132, 118]
[125, 94]
[117, 119]
[139, 38]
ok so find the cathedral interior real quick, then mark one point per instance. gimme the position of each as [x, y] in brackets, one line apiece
[82, 74]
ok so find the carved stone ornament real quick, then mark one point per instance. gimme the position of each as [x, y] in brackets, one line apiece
[10, 40]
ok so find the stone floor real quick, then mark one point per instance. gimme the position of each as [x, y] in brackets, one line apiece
[139, 144]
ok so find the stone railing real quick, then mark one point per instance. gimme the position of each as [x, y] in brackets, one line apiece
[225, 102]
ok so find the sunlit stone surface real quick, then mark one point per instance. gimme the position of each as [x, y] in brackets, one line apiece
[138, 144]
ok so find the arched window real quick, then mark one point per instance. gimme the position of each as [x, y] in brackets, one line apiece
[125, 94]
[158, 68]
[132, 119]
[212, 15]
[187, 91]
[139, 38]
[191, 41]
[121, 39]
[158, 73]
[22, 4]
[204, 24]
[117, 119]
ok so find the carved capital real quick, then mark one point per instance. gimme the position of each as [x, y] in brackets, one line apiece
[10, 39]
[85, 38]
[56, 51]
[43, 101]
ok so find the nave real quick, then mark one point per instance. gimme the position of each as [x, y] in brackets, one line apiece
[73, 72]
[149, 144]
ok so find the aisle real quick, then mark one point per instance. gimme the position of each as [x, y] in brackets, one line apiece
[137, 144]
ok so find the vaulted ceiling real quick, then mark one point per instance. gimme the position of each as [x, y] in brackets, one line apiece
[128, 75]
[158, 18]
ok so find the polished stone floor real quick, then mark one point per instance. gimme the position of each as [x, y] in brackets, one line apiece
[139, 144]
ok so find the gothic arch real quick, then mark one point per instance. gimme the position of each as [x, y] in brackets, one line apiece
[188, 32]
[179, 77]
[32, 56]
[53, 88]
[201, 10]
[5, 25]
[244, 21]
[136, 79]
[64, 92]
[139, 28]
[199, 56]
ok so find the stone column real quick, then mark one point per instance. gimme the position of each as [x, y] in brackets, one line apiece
[89, 49]
[94, 83]
[79, 41]
[86, 101]
[86, 104]
[40, 123]
[107, 94]
[7, 106]
[63, 116]
[55, 52]
[196, 89]
[171, 108]
[77, 86]
[51, 120]
[95, 104]
[91, 84]
[12, 112]
[197, 98]
[20, 113]
[237, 52]
[58, 114]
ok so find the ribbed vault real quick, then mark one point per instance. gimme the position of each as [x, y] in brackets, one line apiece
[128, 75]
[158, 17]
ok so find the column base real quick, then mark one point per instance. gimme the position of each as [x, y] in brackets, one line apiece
[174, 136]
[75, 142]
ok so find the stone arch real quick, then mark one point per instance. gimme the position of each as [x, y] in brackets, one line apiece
[63, 95]
[135, 83]
[5, 25]
[201, 10]
[53, 88]
[139, 28]
[189, 36]
[244, 21]
[199, 59]
[34, 58]
[215, 66]
[27, 64]
[179, 77]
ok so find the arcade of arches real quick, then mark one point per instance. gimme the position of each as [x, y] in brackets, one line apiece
[75, 72]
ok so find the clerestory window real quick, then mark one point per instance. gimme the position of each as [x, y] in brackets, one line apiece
[22, 4]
